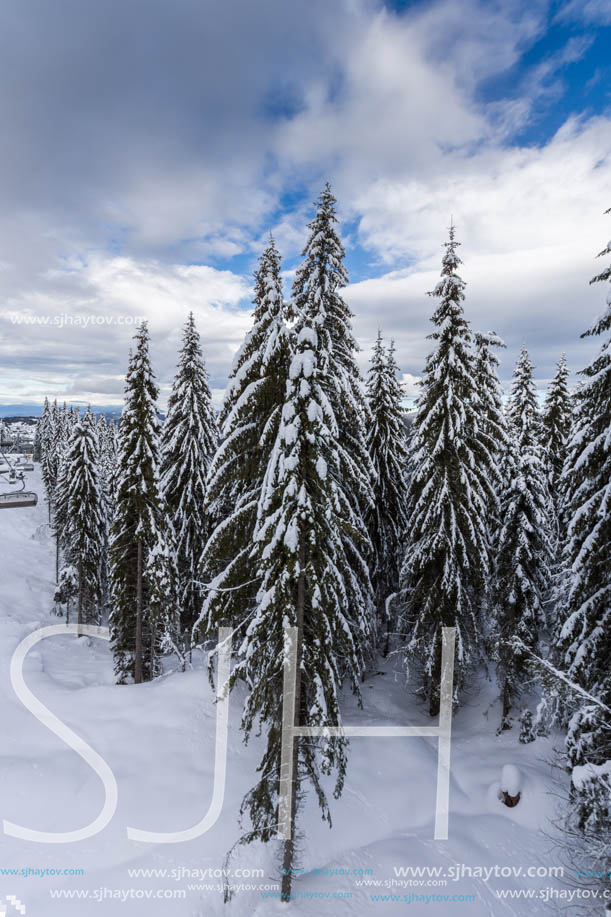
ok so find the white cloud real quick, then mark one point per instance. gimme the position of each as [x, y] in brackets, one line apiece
[593, 12]
[181, 164]
[530, 222]
[92, 308]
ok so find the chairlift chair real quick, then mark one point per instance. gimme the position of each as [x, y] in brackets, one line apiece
[19, 496]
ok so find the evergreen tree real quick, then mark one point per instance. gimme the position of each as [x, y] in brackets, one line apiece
[490, 391]
[556, 426]
[85, 530]
[67, 589]
[138, 527]
[452, 484]
[523, 407]
[316, 289]
[308, 580]
[108, 446]
[250, 420]
[107, 465]
[50, 450]
[189, 441]
[387, 443]
[39, 435]
[61, 500]
[586, 634]
[522, 549]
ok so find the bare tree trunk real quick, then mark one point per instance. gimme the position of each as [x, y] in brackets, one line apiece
[138, 653]
[435, 682]
[288, 855]
[67, 611]
[80, 598]
[56, 558]
[153, 637]
[506, 696]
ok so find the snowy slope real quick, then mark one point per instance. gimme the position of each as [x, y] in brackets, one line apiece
[158, 739]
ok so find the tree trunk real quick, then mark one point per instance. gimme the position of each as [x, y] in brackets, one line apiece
[506, 696]
[56, 559]
[289, 846]
[80, 598]
[138, 650]
[152, 655]
[68, 611]
[435, 686]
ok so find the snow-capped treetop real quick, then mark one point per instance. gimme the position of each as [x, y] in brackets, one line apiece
[308, 580]
[387, 444]
[189, 441]
[453, 483]
[251, 417]
[317, 298]
[556, 423]
[138, 473]
[523, 409]
[267, 337]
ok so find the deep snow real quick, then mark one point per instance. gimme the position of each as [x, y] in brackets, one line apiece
[158, 739]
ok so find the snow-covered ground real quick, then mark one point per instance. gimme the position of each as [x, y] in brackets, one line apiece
[159, 741]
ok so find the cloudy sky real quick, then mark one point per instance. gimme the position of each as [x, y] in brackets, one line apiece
[147, 148]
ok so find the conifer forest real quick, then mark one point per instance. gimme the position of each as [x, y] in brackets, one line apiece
[305, 528]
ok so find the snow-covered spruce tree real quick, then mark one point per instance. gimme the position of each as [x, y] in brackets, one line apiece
[452, 485]
[107, 452]
[108, 446]
[85, 531]
[525, 425]
[139, 528]
[522, 548]
[189, 440]
[556, 422]
[523, 408]
[67, 589]
[250, 420]
[586, 635]
[387, 443]
[309, 581]
[41, 425]
[490, 391]
[50, 450]
[60, 500]
[317, 292]
[64, 423]
[317, 285]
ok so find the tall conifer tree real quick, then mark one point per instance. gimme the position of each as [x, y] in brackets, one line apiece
[85, 528]
[452, 485]
[189, 441]
[250, 420]
[522, 550]
[586, 634]
[555, 429]
[305, 517]
[387, 443]
[317, 289]
[139, 530]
